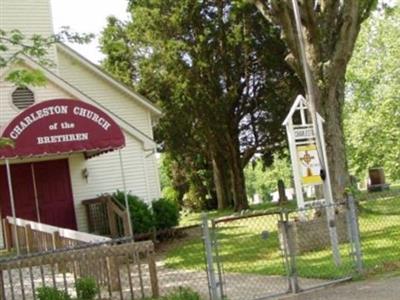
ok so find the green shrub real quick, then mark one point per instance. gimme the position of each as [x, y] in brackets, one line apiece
[141, 215]
[171, 195]
[166, 214]
[193, 201]
[86, 288]
[51, 293]
[183, 294]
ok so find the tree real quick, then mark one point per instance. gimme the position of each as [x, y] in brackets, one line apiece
[372, 108]
[217, 70]
[330, 28]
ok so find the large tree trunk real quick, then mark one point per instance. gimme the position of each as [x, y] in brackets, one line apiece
[221, 181]
[331, 110]
[237, 175]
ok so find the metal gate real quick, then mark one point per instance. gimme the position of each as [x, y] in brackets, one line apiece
[263, 255]
[249, 261]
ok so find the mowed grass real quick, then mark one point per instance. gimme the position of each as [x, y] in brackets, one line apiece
[252, 246]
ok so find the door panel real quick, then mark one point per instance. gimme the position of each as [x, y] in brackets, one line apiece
[24, 198]
[54, 193]
[53, 183]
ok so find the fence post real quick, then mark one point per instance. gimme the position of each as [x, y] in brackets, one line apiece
[218, 262]
[355, 233]
[57, 244]
[212, 282]
[29, 238]
[153, 274]
[56, 240]
[112, 223]
[7, 234]
[112, 269]
[288, 242]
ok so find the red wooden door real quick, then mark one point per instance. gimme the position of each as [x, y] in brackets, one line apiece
[53, 182]
[24, 197]
[54, 192]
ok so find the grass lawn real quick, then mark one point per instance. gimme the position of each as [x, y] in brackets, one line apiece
[252, 245]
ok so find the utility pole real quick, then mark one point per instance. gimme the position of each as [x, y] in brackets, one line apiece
[319, 138]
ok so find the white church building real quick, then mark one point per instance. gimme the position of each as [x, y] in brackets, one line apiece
[68, 134]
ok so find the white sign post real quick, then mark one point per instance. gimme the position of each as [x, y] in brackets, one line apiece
[308, 159]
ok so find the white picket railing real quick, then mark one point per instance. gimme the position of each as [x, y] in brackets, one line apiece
[37, 237]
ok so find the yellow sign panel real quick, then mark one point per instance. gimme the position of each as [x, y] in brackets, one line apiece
[309, 164]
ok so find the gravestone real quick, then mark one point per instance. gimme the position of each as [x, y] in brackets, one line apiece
[377, 181]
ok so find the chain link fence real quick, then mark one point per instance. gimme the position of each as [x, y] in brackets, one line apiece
[250, 260]
[181, 262]
[379, 220]
[265, 254]
[262, 255]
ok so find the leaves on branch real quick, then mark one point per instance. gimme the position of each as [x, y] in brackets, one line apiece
[14, 43]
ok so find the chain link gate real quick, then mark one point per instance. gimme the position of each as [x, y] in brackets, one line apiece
[247, 258]
[263, 255]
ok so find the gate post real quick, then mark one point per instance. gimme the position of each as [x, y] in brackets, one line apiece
[354, 233]
[212, 282]
[218, 261]
[290, 250]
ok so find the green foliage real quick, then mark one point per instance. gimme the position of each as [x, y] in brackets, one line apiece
[171, 194]
[187, 183]
[141, 215]
[180, 294]
[14, 43]
[218, 71]
[86, 288]
[183, 294]
[263, 180]
[193, 201]
[51, 293]
[166, 214]
[372, 110]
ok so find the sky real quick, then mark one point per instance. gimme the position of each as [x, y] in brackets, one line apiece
[87, 16]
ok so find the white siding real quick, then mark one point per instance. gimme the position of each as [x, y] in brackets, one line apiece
[9, 111]
[30, 17]
[105, 177]
[102, 91]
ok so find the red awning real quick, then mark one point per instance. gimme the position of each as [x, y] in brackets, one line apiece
[61, 126]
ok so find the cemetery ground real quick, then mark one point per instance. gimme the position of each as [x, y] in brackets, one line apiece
[379, 221]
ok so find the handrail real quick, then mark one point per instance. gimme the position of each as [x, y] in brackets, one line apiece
[115, 213]
[116, 208]
[64, 233]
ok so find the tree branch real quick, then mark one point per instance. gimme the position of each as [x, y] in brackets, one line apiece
[346, 38]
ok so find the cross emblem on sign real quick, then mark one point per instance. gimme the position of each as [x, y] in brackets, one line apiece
[307, 158]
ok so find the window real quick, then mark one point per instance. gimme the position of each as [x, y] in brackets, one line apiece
[22, 97]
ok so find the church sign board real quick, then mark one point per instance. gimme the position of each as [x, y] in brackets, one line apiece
[61, 126]
[308, 157]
